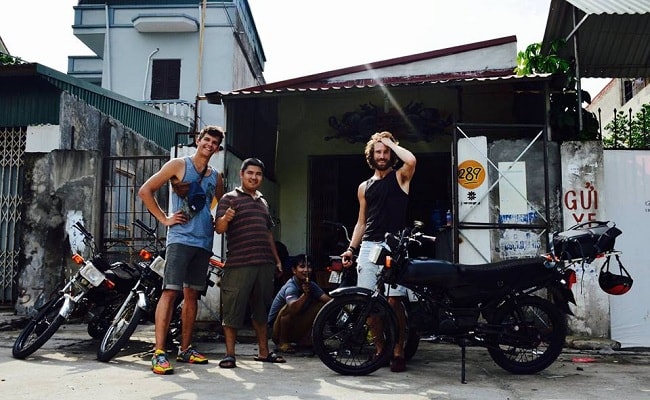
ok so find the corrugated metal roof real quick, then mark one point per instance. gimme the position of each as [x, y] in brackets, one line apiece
[261, 91]
[323, 79]
[612, 6]
[22, 106]
[335, 80]
[612, 36]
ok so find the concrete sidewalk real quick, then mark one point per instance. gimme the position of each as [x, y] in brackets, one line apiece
[66, 367]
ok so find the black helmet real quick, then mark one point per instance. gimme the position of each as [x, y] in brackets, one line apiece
[614, 283]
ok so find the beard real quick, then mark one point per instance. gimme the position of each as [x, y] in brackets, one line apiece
[381, 167]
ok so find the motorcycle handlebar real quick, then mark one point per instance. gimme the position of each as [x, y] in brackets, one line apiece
[83, 229]
[144, 227]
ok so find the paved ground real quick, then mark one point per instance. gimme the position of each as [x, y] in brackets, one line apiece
[65, 368]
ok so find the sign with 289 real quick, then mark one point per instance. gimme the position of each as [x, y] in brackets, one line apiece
[471, 174]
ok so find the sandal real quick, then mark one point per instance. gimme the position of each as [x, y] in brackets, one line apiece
[286, 348]
[271, 358]
[228, 362]
[398, 364]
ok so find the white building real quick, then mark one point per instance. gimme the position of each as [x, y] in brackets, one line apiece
[620, 94]
[169, 53]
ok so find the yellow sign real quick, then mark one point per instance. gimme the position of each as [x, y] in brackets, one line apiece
[471, 174]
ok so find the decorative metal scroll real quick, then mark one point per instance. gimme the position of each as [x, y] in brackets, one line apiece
[414, 122]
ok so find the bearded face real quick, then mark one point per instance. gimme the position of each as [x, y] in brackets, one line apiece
[381, 157]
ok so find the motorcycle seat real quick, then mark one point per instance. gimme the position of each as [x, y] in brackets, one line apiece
[500, 268]
[448, 274]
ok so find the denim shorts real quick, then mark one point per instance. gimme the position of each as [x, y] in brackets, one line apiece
[367, 272]
[185, 266]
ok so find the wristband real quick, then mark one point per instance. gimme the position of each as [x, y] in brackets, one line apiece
[352, 249]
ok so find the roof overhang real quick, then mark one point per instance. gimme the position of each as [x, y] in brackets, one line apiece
[611, 36]
[261, 92]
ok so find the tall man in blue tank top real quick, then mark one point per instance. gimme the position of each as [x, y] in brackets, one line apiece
[383, 200]
[189, 243]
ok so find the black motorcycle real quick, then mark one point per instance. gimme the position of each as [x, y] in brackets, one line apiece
[92, 295]
[140, 304]
[515, 308]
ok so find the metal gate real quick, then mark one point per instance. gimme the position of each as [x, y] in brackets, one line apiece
[12, 149]
[123, 176]
[501, 191]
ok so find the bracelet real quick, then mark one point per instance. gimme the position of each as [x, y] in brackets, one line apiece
[352, 249]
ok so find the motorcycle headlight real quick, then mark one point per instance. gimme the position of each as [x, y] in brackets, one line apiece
[92, 274]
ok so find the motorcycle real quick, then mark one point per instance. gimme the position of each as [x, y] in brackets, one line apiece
[140, 304]
[92, 294]
[339, 276]
[516, 309]
[345, 277]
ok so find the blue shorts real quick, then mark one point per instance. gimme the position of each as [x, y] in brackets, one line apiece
[186, 266]
[367, 272]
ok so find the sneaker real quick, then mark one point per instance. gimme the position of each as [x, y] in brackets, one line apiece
[160, 363]
[191, 356]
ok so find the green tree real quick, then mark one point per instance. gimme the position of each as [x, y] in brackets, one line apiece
[564, 95]
[629, 131]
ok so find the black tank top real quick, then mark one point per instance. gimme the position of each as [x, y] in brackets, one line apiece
[386, 205]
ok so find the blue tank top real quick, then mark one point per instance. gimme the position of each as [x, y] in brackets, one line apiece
[198, 231]
[386, 205]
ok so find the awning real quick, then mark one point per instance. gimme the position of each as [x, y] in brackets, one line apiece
[612, 36]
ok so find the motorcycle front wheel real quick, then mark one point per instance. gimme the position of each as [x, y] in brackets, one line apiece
[120, 330]
[532, 336]
[40, 329]
[349, 330]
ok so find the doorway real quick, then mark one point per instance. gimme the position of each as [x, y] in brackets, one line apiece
[333, 198]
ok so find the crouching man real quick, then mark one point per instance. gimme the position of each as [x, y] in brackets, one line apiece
[295, 307]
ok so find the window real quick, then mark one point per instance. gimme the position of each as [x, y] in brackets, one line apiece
[165, 79]
[627, 91]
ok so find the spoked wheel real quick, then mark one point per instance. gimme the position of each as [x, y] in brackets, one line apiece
[120, 331]
[347, 331]
[412, 338]
[40, 329]
[533, 335]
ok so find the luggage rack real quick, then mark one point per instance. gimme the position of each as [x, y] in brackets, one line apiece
[589, 260]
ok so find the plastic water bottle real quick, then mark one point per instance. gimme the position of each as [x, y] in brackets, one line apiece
[448, 217]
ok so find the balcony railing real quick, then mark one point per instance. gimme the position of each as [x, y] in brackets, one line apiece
[178, 108]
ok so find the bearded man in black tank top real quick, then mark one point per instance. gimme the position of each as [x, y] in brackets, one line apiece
[383, 200]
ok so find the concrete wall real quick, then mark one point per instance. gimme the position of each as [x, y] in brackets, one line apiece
[62, 185]
[582, 201]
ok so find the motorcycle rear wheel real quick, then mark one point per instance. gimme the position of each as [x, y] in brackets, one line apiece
[534, 331]
[120, 331]
[343, 338]
[39, 330]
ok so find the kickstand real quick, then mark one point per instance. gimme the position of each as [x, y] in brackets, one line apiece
[463, 345]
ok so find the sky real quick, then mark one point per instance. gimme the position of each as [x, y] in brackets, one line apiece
[304, 37]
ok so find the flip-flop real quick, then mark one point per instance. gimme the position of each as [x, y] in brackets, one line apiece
[228, 362]
[272, 358]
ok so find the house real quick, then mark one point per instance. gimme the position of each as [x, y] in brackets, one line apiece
[432, 102]
[621, 97]
[167, 54]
